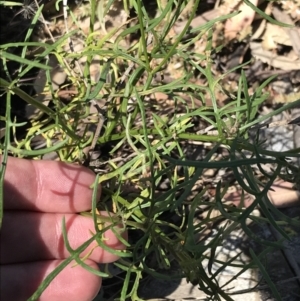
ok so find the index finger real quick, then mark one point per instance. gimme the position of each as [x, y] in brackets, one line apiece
[47, 186]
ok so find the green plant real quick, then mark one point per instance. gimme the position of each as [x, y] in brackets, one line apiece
[154, 142]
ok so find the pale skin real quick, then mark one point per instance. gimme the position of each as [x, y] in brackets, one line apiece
[282, 194]
[37, 194]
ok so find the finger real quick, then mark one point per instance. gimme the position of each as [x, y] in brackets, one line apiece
[235, 198]
[282, 194]
[47, 186]
[20, 281]
[33, 236]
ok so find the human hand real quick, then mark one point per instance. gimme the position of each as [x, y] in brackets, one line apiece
[37, 195]
[282, 194]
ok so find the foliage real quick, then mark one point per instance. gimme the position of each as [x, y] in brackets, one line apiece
[155, 143]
